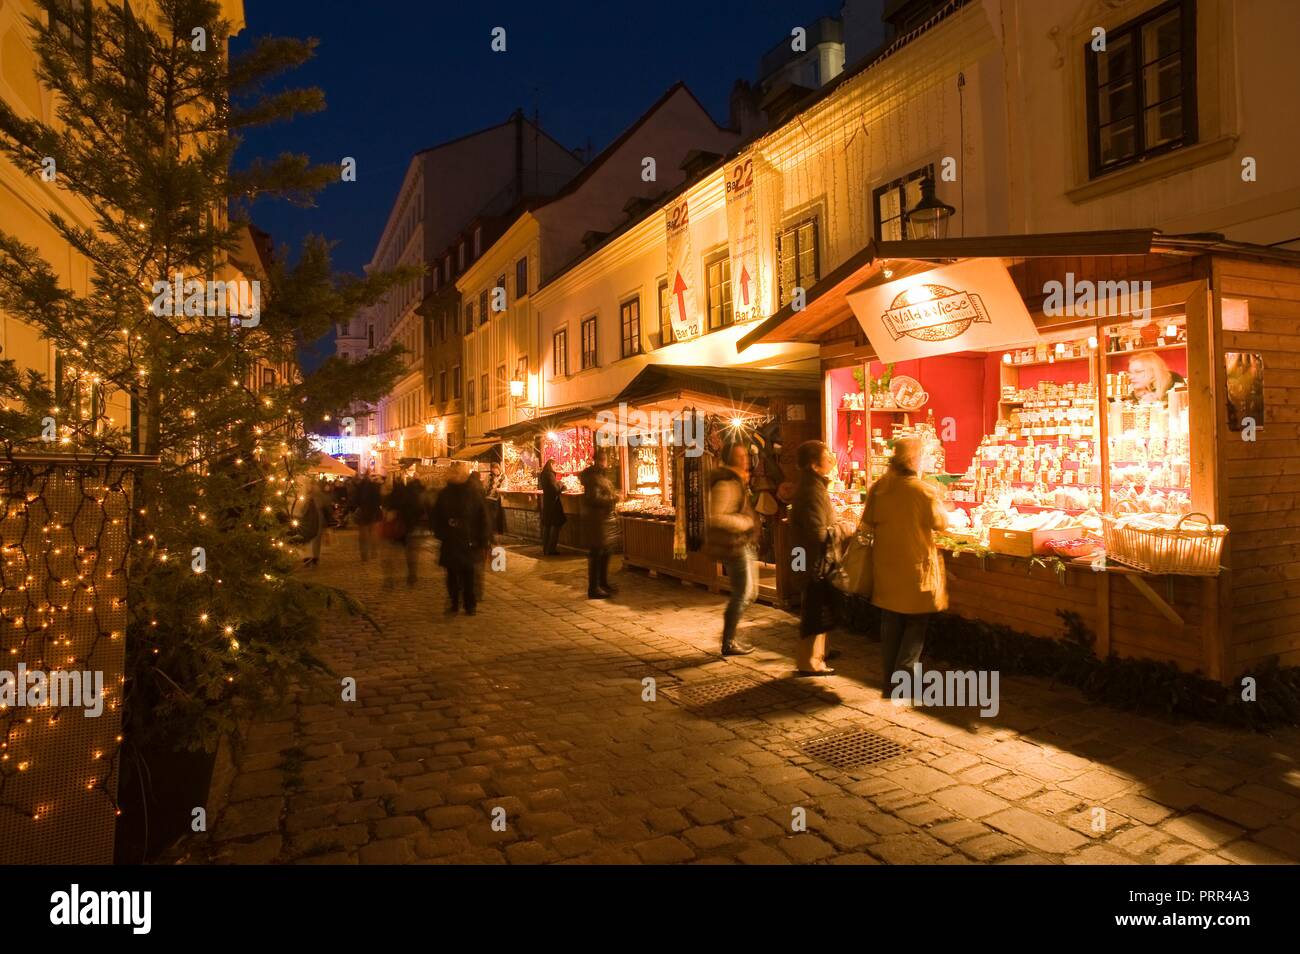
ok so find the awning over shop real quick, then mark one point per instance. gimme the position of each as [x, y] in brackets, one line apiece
[478, 449]
[325, 464]
[661, 383]
[550, 420]
[826, 305]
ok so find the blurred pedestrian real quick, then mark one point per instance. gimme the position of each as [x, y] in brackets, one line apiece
[908, 580]
[314, 520]
[367, 510]
[553, 516]
[460, 522]
[598, 525]
[731, 537]
[815, 536]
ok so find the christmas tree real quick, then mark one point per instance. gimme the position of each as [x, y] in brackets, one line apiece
[159, 356]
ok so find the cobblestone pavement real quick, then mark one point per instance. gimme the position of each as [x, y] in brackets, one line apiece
[532, 713]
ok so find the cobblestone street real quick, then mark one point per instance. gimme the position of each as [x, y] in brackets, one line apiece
[535, 707]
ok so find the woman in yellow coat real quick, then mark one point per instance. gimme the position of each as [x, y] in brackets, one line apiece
[908, 581]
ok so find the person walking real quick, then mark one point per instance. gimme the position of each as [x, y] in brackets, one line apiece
[815, 535]
[313, 522]
[731, 537]
[598, 526]
[413, 514]
[908, 579]
[553, 516]
[460, 522]
[367, 511]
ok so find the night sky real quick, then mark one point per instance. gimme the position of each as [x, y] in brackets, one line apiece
[403, 75]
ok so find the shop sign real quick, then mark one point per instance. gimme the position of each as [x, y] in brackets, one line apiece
[751, 183]
[970, 305]
[681, 273]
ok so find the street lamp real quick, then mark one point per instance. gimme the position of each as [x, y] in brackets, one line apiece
[929, 217]
[516, 387]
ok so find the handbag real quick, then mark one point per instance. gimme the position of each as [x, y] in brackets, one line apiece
[854, 575]
[392, 528]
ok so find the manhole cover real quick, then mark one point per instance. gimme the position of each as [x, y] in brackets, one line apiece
[852, 748]
[695, 695]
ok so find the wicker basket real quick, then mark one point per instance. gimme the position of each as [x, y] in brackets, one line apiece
[1184, 551]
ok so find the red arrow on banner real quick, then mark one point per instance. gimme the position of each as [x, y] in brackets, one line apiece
[744, 284]
[679, 289]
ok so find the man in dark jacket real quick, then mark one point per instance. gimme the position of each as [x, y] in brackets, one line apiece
[732, 533]
[460, 522]
[598, 526]
[553, 517]
[367, 510]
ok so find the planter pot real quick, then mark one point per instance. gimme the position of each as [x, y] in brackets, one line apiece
[158, 790]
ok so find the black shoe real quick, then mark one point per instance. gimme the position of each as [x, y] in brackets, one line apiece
[611, 590]
[738, 646]
[597, 595]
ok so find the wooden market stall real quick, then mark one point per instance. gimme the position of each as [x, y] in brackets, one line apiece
[672, 423]
[563, 436]
[1067, 469]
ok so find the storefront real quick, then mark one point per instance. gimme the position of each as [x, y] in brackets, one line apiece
[564, 439]
[1113, 418]
[671, 425]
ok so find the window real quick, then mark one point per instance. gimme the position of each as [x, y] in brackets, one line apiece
[460, 257]
[521, 277]
[503, 387]
[501, 284]
[891, 200]
[70, 22]
[446, 266]
[665, 316]
[442, 386]
[370, 335]
[589, 343]
[796, 256]
[629, 315]
[717, 285]
[469, 397]
[560, 352]
[483, 307]
[1142, 88]
[455, 383]
[478, 241]
[483, 393]
[469, 318]
[268, 377]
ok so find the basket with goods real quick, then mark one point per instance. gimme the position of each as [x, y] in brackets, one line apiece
[1165, 543]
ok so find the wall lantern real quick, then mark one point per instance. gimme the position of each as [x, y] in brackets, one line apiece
[928, 219]
[428, 428]
[516, 387]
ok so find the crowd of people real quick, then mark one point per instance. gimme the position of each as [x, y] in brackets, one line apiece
[462, 512]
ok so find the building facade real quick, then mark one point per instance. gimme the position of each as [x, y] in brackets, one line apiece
[444, 188]
[503, 354]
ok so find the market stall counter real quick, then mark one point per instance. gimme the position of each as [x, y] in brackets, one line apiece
[1095, 409]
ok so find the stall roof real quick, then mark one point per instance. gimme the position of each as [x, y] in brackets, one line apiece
[824, 305]
[476, 449]
[657, 382]
[553, 418]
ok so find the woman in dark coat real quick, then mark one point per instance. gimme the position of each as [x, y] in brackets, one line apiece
[553, 517]
[815, 535]
[460, 522]
[598, 526]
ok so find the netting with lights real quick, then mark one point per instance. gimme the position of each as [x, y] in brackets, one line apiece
[63, 552]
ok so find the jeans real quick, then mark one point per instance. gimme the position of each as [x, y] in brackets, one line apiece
[461, 586]
[902, 637]
[597, 570]
[744, 587]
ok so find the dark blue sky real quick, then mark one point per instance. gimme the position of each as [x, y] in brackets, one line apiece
[401, 75]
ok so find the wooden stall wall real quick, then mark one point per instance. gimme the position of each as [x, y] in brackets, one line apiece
[1263, 477]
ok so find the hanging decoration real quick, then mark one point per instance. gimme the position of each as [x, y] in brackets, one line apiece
[681, 273]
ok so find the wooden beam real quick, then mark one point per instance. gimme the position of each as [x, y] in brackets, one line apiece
[1155, 599]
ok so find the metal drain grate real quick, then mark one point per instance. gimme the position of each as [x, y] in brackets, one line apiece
[853, 748]
[697, 695]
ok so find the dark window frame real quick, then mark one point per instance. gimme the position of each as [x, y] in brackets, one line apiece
[469, 317]
[664, 302]
[455, 382]
[722, 260]
[898, 185]
[590, 357]
[503, 385]
[483, 309]
[470, 406]
[560, 352]
[792, 228]
[1187, 93]
[485, 398]
[521, 277]
[632, 344]
[442, 386]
